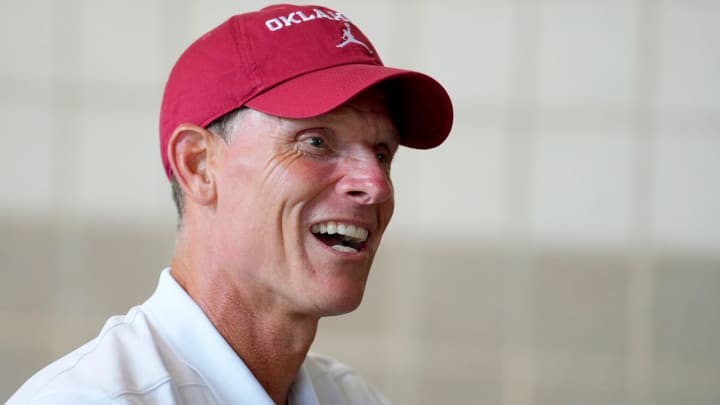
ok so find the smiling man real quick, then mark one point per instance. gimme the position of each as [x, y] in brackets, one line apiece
[277, 132]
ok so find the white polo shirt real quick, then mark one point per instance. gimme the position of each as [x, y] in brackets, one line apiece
[166, 351]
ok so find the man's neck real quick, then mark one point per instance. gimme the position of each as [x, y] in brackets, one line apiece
[273, 345]
[272, 348]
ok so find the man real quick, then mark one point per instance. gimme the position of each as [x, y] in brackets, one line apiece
[277, 132]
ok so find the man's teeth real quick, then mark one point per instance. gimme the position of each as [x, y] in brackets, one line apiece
[343, 248]
[351, 232]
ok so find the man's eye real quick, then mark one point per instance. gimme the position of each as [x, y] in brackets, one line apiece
[382, 157]
[316, 142]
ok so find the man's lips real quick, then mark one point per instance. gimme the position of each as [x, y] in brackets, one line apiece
[341, 236]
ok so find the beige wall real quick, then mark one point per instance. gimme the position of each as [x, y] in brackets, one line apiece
[563, 247]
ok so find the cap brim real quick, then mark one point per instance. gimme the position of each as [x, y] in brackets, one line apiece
[420, 106]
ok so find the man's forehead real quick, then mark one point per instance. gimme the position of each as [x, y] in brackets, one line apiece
[369, 108]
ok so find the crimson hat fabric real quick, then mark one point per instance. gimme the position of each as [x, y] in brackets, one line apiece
[295, 62]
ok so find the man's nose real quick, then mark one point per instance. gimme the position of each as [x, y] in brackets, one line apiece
[366, 181]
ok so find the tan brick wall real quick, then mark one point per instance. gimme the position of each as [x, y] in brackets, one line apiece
[562, 247]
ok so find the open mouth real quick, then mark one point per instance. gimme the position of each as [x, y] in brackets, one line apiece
[341, 237]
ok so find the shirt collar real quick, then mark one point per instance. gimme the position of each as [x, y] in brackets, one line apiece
[302, 391]
[195, 340]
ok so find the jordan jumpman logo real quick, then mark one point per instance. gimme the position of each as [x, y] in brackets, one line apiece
[349, 38]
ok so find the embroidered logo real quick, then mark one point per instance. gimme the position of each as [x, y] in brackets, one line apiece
[299, 17]
[349, 38]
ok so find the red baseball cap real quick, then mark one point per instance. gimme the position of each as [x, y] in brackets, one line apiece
[295, 62]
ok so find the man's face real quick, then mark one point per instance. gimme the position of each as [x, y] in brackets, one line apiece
[302, 205]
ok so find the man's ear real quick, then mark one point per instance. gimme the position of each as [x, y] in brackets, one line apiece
[189, 150]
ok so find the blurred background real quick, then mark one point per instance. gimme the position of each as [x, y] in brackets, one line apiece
[562, 247]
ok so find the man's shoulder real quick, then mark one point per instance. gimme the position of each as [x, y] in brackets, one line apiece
[126, 357]
[333, 379]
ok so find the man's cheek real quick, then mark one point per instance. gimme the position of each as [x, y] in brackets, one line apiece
[277, 171]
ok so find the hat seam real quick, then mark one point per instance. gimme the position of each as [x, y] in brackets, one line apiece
[244, 50]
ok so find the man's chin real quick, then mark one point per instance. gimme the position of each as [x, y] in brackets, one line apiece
[345, 307]
[337, 286]
[338, 301]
